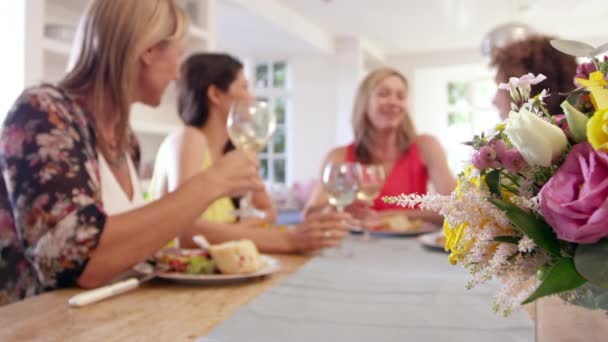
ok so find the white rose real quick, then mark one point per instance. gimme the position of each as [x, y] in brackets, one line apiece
[538, 141]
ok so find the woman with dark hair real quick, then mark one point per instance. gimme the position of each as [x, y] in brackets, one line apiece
[208, 86]
[210, 83]
[533, 55]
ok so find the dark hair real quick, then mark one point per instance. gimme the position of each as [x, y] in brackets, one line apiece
[536, 55]
[198, 73]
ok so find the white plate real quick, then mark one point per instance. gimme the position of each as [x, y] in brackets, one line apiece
[271, 265]
[429, 240]
[425, 227]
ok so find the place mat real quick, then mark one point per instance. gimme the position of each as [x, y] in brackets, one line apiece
[389, 290]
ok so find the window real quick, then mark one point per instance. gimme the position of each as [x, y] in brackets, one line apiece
[270, 84]
[470, 111]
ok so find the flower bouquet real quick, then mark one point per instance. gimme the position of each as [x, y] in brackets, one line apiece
[532, 207]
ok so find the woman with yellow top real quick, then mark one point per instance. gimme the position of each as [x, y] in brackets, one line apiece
[209, 84]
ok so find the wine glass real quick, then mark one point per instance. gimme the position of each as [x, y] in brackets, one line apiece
[340, 184]
[250, 127]
[371, 178]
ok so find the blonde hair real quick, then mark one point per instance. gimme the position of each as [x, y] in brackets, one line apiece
[362, 126]
[111, 37]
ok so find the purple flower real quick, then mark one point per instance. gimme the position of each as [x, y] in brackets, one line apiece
[484, 158]
[512, 160]
[499, 146]
[575, 200]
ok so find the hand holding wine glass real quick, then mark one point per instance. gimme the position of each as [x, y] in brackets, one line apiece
[250, 127]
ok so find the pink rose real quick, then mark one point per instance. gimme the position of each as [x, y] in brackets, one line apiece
[575, 200]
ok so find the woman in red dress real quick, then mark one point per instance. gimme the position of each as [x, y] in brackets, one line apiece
[385, 135]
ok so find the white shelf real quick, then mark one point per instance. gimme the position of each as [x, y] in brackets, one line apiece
[152, 127]
[56, 47]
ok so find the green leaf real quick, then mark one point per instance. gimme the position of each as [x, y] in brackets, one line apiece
[561, 277]
[530, 225]
[508, 239]
[493, 181]
[591, 262]
[577, 122]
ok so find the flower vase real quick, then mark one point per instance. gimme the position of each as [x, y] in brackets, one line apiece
[574, 316]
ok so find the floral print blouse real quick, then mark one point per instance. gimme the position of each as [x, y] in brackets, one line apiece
[51, 212]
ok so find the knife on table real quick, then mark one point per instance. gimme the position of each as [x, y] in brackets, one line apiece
[100, 293]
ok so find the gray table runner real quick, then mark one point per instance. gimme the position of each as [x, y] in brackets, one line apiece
[389, 290]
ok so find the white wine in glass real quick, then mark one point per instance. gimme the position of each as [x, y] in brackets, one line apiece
[251, 125]
[371, 178]
[367, 193]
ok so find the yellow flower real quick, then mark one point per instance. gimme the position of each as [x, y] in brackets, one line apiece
[453, 242]
[596, 84]
[597, 130]
[453, 236]
[500, 127]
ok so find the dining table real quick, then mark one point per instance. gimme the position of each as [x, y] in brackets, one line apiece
[383, 289]
[156, 311]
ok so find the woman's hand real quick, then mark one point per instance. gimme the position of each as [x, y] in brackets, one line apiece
[320, 230]
[236, 173]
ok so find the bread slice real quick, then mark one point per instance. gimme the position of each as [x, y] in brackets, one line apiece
[236, 257]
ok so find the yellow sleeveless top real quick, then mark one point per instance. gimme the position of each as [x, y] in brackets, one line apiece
[222, 209]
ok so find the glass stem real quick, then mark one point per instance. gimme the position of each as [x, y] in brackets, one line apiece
[366, 234]
[245, 202]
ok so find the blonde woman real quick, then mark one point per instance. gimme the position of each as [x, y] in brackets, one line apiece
[71, 210]
[385, 135]
[210, 83]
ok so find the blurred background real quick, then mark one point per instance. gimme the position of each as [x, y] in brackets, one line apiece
[307, 56]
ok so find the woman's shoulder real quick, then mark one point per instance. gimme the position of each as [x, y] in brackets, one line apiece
[338, 154]
[43, 102]
[425, 138]
[428, 146]
[45, 91]
[187, 135]
[184, 139]
[426, 142]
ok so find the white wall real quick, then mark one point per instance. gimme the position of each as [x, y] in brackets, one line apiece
[312, 125]
[349, 65]
[428, 75]
[17, 26]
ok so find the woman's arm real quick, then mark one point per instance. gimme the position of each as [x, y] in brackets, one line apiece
[133, 236]
[436, 163]
[183, 156]
[262, 201]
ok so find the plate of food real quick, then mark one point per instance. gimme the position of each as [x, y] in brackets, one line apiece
[401, 226]
[434, 240]
[228, 262]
